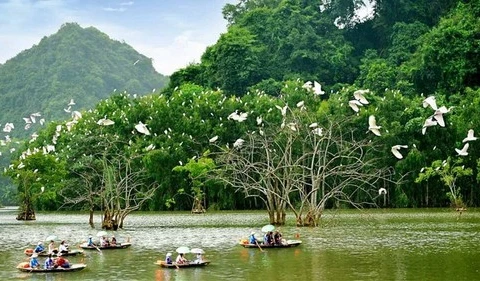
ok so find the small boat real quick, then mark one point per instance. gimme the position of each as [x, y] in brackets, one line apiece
[287, 244]
[113, 247]
[25, 267]
[175, 265]
[29, 252]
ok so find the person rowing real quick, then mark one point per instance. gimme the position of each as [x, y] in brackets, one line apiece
[33, 261]
[39, 248]
[90, 242]
[252, 239]
[168, 258]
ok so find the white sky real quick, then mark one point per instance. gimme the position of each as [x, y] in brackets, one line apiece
[173, 33]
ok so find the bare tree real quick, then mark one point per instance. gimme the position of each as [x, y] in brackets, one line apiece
[301, 166]
[110, 180]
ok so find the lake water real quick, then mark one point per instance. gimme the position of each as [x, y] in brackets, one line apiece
[350, 245]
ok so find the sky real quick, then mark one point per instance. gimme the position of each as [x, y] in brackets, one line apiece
[173, 33]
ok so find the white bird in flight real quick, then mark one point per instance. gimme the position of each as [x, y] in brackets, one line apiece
[470, 136]
[462, 152]
[395, 150]
[72, 102]
[359, 95]
[372, 125]
[430, 101]
[354, 104]
[428, 123]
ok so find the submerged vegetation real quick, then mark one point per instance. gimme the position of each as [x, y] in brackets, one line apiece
[244, 129]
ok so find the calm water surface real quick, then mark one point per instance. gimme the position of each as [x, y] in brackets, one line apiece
[350, 245]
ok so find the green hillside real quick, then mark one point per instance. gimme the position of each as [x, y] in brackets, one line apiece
[76, 63]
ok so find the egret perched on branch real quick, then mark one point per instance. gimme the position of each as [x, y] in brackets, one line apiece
[238, 143]
[105, 122]
[317, 89]
[470, 136]
[214, 139]
[372, 125]
[142, 128]
[382, 191]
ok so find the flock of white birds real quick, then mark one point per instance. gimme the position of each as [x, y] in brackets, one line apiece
[359, 100]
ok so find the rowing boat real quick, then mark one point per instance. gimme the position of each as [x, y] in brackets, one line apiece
[114, 247]
[287, 244]
[175, 265]
[45, 254]
[73, 267]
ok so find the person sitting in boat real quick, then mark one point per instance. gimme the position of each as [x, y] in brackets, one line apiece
[60, 261]
[277, 238]
[199, 258]
[39, 248]
[33, 261]
[49, 264]
[181, 259]
[104, 242]
[268, 239]
[63, 247]
[113, 242]
[252, 239]
[51, 247]
[90, 241]
[168, 258]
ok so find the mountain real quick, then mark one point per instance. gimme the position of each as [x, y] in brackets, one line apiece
[76, 63]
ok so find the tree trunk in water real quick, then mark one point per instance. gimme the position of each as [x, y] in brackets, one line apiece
[312, 218]
[26, 213]
[90, 219]
[109, 223]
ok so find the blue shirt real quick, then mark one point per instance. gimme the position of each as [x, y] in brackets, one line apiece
[39, 249]
[90, 242]
[252, 239]
[48, 263]
[168, 260]
[34, 262]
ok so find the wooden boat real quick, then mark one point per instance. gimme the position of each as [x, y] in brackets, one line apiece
[287, 244]
[45, 254]
[115, 247]
[25, 267]
[175, 265]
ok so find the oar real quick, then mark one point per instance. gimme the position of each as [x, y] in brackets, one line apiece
[256, 242]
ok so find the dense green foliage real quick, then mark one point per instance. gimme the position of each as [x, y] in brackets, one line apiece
[407, 51]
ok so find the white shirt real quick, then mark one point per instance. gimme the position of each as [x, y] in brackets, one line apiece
[62, 248]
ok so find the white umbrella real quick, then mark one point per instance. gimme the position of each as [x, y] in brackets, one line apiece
[51, 238]
[268, 228]
[183, 250]
[197, 251]
[102, 233]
